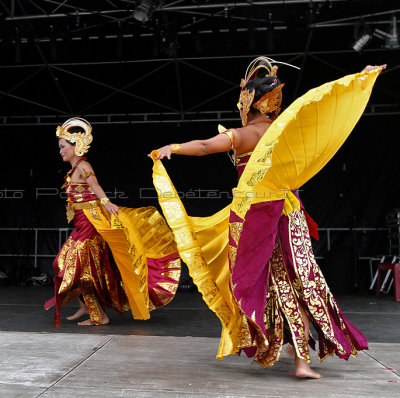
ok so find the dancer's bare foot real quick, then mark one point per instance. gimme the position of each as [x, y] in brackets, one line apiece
[81, 312]
[88, 322]
[303, 370]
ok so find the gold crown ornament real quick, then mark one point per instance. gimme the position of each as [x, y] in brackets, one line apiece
[270, 102]
[246, 97]
[245, 100]
[83, 140]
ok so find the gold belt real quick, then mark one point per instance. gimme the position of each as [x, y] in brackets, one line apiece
[83, 205]
[91, 205]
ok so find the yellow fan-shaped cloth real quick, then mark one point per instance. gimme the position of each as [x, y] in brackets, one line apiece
[138, 234]
[203, 246]
[302, 140]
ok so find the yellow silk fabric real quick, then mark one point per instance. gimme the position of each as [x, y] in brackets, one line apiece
[296, 146]
[136, 235]
[203, 246]
[302, 140]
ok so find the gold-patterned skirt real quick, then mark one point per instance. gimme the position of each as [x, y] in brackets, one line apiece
[85, 268]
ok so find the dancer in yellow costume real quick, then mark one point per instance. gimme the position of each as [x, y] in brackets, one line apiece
[115, 257]
[253, 261]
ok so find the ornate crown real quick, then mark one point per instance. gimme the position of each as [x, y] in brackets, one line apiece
[82, 141]
[246, 97]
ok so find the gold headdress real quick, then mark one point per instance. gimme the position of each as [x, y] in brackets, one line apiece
[245, 100]
[270, 101]
[246, 97]
[82, 141]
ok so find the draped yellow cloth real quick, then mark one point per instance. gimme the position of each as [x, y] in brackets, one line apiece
[296, 146]
[203, 245]
[138, 234]
[303, 139]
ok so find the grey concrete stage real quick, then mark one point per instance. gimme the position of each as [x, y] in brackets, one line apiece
[173, 355]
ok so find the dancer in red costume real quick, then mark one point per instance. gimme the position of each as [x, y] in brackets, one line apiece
[141, 272]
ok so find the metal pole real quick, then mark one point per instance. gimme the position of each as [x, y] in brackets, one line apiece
[36, 248]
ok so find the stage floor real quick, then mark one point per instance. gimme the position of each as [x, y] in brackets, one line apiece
[173, 354]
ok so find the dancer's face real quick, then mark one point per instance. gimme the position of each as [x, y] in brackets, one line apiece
[67, 151]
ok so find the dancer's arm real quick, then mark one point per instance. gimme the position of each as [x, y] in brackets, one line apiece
[87, 172]
[219, 143]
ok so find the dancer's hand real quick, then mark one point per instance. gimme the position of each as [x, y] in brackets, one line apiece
[373, 67]
[112, 208]
[165, 151]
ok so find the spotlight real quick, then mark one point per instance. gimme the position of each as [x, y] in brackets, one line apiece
[143, 10]
[362, 42]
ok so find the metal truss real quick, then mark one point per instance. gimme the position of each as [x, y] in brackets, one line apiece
[167, 114]
[167, 118]
[166, 6]
[24, 104]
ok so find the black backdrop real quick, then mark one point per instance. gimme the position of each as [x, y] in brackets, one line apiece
[103, 65]
[356, 189]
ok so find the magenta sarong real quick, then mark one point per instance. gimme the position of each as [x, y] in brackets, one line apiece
[274, 272]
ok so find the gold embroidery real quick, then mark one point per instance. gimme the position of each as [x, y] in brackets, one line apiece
[175, 273]
[92, 282]
[93, 209]
[274, 326]
[116, 223]
[236, 229]
[244, 196]
[79, 188]
[288, 302]
[238, 157]
[313, 292]
[78, 197]
[232, 255]
[244, 338]
[89, 297]
[257, 176]
[70, 212]
[225, 314]
[162, 296]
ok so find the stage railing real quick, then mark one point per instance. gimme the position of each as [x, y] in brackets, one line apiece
[62, 237]
[64, 232]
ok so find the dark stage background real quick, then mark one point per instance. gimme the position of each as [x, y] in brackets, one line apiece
[151, 84]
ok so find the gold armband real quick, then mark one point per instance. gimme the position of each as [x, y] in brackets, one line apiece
[223, 130]
[175, 148]
[105, 200]
[87, 174]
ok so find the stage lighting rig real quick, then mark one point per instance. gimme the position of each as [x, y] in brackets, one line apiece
[391, 38]
[361, 42]
[143, 11]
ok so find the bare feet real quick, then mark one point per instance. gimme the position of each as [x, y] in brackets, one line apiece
[303, 370]
[88, 322]
[81, 312]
